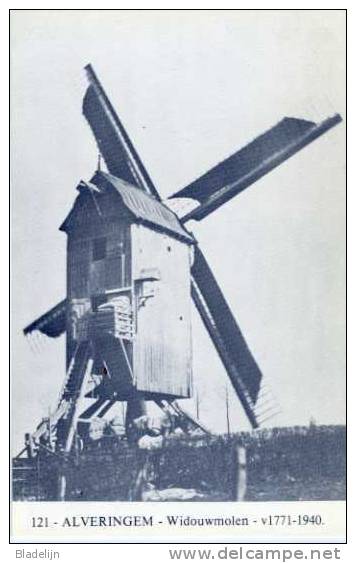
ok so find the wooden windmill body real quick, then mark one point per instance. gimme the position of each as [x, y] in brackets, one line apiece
[132, 269]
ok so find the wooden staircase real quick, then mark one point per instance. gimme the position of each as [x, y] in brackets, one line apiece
[72, 395]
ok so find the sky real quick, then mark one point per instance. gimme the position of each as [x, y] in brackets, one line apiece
[191, 87]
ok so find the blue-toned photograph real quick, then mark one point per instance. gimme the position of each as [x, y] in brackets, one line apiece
[178, 255]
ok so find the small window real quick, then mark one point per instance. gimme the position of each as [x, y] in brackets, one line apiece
[98, 300]
[99, 248]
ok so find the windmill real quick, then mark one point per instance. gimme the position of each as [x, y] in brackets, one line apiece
[132, 270]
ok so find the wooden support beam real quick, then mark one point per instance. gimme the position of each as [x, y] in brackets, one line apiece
[241, 473]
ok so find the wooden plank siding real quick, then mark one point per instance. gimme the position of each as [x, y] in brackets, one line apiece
[88, 277]
[162, 350]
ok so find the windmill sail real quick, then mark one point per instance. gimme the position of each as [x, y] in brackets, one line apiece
[229, 342]
[253, 161]
[114, 143]
[52, 323]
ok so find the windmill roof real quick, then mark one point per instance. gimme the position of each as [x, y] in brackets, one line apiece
[145, 208]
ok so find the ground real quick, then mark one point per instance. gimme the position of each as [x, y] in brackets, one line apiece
[297, 463]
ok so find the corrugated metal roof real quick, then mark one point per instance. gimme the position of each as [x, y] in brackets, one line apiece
[143, 206]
